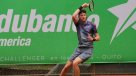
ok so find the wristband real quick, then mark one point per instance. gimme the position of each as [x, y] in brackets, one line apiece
[94, 39]
[80, 8]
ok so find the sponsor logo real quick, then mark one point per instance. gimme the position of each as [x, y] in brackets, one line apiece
[126, 14]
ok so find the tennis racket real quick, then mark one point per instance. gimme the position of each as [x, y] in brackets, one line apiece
[91, 5]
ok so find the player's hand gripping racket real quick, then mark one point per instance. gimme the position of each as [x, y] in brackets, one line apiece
[91, 5]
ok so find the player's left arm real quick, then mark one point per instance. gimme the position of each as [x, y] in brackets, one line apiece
[96, 37]
[96, 34]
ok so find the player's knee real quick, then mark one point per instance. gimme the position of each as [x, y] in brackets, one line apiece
[75, 63]
[67, 66]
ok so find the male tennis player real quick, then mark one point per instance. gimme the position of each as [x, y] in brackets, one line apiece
[87, 34]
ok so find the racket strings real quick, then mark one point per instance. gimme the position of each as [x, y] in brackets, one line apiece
[91, 5]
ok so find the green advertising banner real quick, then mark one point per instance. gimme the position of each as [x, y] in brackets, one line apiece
[42, 31]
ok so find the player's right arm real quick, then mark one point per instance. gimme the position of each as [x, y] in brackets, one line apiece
[75, 14]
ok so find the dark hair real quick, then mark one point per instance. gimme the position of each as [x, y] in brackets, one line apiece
[82, 11]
